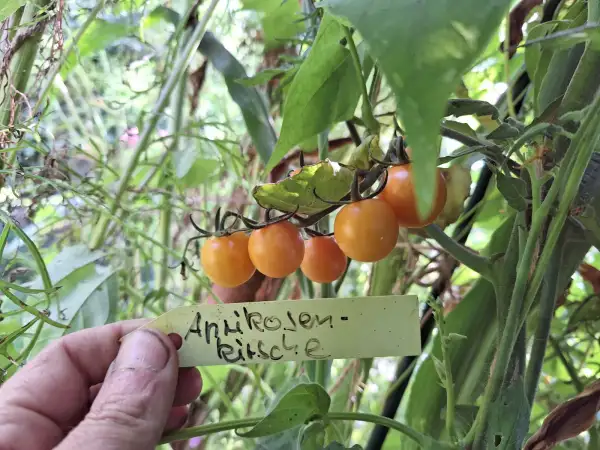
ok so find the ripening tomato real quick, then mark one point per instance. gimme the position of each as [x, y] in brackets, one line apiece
[399, 193]
[276, 250]
[366, 230]
[226, 260]
[324, 261]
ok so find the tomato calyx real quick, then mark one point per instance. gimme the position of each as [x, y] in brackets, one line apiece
[396, 154]
[311, 232]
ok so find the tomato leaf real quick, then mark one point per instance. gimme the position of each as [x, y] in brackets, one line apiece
[423, 72]
[509, 417]
[504, 131]
[324, 91]
[261, 77]
[303, 402]
[10, 6]
[458, 107]
[252, 104]
[280, 20]
[514, 190]
[331, 181]
[312, 436]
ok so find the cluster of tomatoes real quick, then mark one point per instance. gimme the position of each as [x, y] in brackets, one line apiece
[365, 230]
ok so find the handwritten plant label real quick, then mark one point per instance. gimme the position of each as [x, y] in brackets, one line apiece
[294, 330]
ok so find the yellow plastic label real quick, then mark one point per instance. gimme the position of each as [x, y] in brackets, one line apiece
[294, 330]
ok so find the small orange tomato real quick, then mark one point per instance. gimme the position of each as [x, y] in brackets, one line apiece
[366, 230]
[276, 250]
[399, 193]
[324, 261]
[226, 260]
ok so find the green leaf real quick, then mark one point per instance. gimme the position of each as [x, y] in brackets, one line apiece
[67, 262]
[261, 77]
[312, 436]
[514, 190]
[99, 35]
[474, 317]
[85, 303]
[533, 51]
[301, 403]
[10, 6]
[324, 91]
[509, 417]
[280, 20]
[252, 104]
[461, 127]
[330, 180]
[440, 369]
[568, 38]
[338, 446]
[423, 48]
[504, 131]
[192, 168]
[156, 16]
[458, 107]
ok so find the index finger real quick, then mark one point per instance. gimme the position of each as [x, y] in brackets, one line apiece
[51, 393]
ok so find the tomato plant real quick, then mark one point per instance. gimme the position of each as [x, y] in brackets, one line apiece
[399, 193]
[226, 261]
[324, 261]
[366, 230]
[277, 249]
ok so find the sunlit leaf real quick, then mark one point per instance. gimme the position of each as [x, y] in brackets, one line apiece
[252, 104]
[297, 406]
[331, 181]
[280, 20]
[423, 72]
[10, 6]
[324, 91]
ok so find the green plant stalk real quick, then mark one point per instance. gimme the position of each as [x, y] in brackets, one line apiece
[472, 260]
[367, 109]
[506, 50]
[35, 254]
[593, 11]
[14, 22]
[438, 314]
[23, 64]
[568, 364]
[570, 176]
[33, 311]
[581, 149]
[166, 210]
[65, 54]
[512, 321]
[177, 71]
[204, 430]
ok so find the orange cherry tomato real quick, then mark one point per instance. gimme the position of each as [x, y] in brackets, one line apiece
[276, 250]
[226, 260]
[324, 261]
[366, 230]
[399, 193]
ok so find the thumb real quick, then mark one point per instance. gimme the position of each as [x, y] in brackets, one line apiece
[132, 407]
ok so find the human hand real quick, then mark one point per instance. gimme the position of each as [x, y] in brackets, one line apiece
[88, 390]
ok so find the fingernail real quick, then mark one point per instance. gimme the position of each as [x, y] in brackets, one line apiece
[142, 349]
[176, 340]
